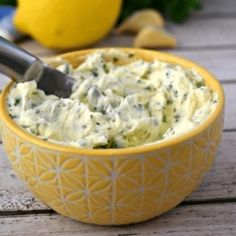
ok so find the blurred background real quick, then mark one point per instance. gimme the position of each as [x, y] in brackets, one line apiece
[184, 27]
[201, 30]
[50, 27]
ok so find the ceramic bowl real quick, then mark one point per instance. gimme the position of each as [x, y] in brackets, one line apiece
[115, 186]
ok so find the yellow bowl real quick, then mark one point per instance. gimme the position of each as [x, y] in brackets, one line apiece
[115, 186]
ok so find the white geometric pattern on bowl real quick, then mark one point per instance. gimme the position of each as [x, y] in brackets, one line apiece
[117, 189]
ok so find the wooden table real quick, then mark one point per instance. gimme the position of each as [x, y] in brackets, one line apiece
[208, 38]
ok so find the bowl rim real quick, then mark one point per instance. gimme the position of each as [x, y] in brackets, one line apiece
[162, 144]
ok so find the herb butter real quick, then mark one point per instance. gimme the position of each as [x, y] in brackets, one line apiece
[115, 104]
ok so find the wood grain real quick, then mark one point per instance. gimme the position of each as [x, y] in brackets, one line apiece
[217, 8]
[230, 107]
[209, 38]
[36, 48]
[202, 32]
[194, 33]
[219, 183]
[193, 220]
[221, 63]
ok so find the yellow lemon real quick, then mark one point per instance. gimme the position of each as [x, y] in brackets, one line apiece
[67, 24]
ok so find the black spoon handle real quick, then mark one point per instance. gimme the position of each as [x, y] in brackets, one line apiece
[17, 63]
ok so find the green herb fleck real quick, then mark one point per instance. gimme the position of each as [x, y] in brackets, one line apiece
[148, 88]
[164, 119]
[199, 84]
[184, 97]
[169, 87]
[84, 126]
[67, 69]
[95, 73]
[176, 93]
[105, 68]
[12, 116]
[177, 117]
[140, 106]
[17, 101]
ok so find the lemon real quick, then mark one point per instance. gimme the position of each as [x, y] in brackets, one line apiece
[67, 24]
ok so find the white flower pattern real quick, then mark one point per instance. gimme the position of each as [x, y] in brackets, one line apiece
[116, 189]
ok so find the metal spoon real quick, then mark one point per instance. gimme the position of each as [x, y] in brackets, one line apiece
[22, 66]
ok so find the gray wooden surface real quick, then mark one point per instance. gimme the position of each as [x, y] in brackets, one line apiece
[209, 38]
[193, 220]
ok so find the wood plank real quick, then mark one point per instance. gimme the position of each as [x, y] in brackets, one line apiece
[219, 183]
[194, 33]
[36, 48]
[204, 32]
[230, 108]
[217, 8]
[13, 194]
[213, 219]
[221, 63]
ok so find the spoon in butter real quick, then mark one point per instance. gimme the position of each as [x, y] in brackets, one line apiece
[22, 66]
